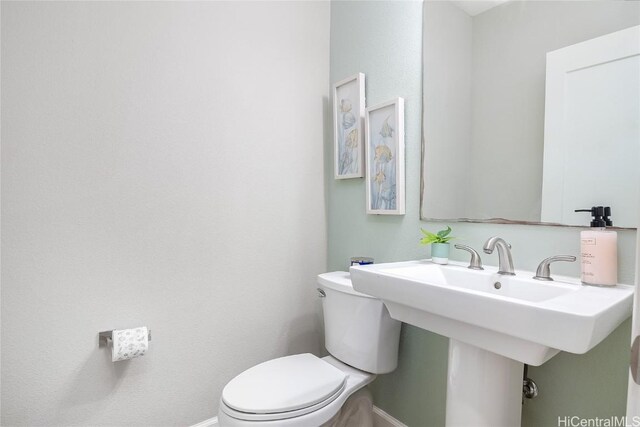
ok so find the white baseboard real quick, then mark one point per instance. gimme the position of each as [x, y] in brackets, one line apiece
[211, 422]
[380, 419]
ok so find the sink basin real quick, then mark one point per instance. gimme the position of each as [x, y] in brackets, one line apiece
[514, 316]
[455, 276]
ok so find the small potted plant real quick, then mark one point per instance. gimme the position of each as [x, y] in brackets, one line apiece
[439, 244]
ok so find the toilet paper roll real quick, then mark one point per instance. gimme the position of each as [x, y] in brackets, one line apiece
[129, 343]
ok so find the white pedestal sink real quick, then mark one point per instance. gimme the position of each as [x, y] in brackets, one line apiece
[496, 324]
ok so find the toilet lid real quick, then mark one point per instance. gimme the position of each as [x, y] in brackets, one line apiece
[285, 384]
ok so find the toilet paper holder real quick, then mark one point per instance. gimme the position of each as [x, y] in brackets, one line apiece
[105, 338]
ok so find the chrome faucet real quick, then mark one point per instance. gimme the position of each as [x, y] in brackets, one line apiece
[544, 272]
[505, 262]
[476, 262]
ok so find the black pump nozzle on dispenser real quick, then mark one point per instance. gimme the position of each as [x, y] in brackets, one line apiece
[605, 217]
[600, 216]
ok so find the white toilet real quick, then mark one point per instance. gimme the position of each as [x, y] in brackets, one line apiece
[305, 391]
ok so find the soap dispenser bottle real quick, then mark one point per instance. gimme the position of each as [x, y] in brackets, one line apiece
[599, 249]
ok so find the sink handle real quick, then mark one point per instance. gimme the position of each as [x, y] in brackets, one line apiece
[476, 262]
[544, 271]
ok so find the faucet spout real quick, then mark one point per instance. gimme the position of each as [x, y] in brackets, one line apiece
[505, 261]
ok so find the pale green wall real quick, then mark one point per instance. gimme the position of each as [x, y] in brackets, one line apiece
[384, 41]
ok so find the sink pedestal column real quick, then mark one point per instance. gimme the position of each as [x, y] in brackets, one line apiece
[483, 388]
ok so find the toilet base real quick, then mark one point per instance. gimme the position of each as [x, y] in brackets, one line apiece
[356, 411]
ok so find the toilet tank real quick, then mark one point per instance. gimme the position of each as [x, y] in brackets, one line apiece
[358, 329]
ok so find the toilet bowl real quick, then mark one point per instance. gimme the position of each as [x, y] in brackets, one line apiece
[291, 400]
[303, 390]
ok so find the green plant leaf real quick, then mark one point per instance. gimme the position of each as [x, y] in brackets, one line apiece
[429, 234]
[441, 237]
[426, 241]
[445, 232]
[428, 237]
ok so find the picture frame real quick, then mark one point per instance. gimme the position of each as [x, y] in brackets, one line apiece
[385, 175]
[348, 127]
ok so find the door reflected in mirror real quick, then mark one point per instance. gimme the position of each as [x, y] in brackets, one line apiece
[486, 152]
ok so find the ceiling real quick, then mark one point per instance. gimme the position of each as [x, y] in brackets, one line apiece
[474, 8]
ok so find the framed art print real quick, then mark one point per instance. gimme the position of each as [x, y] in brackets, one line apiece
[384, 125]
[348, 122]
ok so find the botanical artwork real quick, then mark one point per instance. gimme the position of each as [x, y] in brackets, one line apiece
[348, 114]
[383, 184]
[348, 136]
[385, 175]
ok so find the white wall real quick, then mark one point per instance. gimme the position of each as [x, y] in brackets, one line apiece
[160, 167]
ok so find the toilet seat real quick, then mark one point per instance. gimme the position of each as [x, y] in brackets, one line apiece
[279, 416]
[283, 388]
[317, 415]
